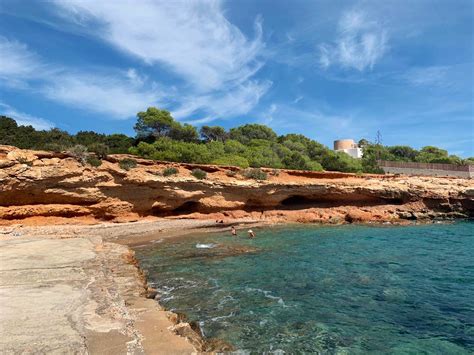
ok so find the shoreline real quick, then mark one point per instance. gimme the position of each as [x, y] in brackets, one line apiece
[142, 323]
[114, 304]
[142, 320]
[195, 335]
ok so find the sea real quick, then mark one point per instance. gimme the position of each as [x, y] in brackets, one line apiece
[351, 289]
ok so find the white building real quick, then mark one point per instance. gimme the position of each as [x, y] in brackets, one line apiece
[348, 146]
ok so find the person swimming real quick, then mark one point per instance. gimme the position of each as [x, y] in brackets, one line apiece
[233, 231]
[251, 234]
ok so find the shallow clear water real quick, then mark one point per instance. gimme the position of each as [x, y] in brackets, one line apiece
[348, 289]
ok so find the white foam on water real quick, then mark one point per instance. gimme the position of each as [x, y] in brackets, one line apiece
[224, 300]
[241, 352]
[201, 326]
[167, 291]
[267, 294]
[205, 246]
[168, 298]
[216, 283]
[222, 317]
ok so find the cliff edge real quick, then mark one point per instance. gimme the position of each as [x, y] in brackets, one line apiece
[45, 187]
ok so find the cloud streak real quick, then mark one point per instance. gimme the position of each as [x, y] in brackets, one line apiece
[24, 119]
[213, 62]
[18, 64]
[427, 76]
[238, 101]
[360, 43]
[117, 93]
[16, 60]
[212, 58]
[193, 38]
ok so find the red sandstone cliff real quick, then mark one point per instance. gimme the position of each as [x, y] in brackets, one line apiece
[36, 184]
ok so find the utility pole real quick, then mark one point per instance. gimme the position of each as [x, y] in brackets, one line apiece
[378, 143]
[378, 138]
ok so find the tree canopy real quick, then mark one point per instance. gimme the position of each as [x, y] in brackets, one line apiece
[154, 122]
[213, 133]
[244, 134]
[159, 136]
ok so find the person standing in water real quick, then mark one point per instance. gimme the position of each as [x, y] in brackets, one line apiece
[233, 231]
[251, 234]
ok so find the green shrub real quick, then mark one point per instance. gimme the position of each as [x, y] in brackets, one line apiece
[314, 166]
[94, 161]
[170, 171]
[55, 147]
[256, 174]
[233, 160]
[199, 174]
[100, 149]
[127, 164]
[79, 152]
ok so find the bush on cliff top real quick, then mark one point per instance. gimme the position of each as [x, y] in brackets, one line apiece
[256, 174]
[127, 164]
[94, 161]
[170, 171]
[199, 174]
[79, 152]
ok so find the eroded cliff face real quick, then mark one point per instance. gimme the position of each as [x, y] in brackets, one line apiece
[36, 184]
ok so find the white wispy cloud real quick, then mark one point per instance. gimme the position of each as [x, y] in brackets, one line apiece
[214, 61]
[16, 59]
[240, 100]
[298, 99]
[193, 38]
[311, 121]
[360, 43]
[427, 76]
[24, 119]
[267, 116]
[18, 64]
[120, 96]
[117, 93]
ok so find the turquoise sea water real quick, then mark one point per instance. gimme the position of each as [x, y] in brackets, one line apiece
[333, 290]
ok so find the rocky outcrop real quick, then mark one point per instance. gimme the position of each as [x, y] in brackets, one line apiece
[36, 184]
[79, 295]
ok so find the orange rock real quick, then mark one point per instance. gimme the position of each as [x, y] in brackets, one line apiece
[43, 185]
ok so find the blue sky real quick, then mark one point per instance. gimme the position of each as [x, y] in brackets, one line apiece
[327, 69]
